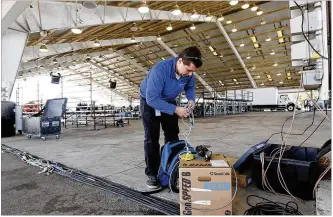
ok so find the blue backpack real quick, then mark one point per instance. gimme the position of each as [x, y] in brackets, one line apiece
[168, 171]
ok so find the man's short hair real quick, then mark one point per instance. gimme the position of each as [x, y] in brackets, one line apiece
[191, 55]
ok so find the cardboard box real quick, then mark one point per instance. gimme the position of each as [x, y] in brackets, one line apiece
[243, 179]
[205, 187]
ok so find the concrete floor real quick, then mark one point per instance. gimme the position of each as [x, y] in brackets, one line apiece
[24, 192]
[117, 153]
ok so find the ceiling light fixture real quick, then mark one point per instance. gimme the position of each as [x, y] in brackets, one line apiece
[76, 31]
[281, 82]
[272, 52]
[260, 12]
[254, 67]
[268, 39]
[215, 54]
[229, 21]
[263, 22]
[43, 48]
[221, 18]
[234, 29]
[242, 44]
[233, 2]
[254, 8]
[248, 56]
[159, 37]
[97, 43]
[169, 28]
[143, 8]
[208, 17]
[231, 70]
[133, 39]
[245, 6]
[278, 74]
[262, 84]
[89, 4]
[193, 27]
[195, 15]
[211, 48]
[176, 10]
[275, 64]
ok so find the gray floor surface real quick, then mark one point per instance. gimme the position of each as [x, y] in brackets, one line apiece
[24, 192]
[117, 153]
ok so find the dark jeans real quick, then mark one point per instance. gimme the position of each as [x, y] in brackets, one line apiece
[151, 124]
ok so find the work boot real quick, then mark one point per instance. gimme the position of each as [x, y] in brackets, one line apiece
[152, 182]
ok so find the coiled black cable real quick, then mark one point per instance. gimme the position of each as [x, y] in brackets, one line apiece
[271, 208]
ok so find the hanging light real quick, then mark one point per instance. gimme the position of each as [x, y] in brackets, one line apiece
[263, 22]
[242, 44]
[254, 67]
[208, 17]
[169, 27]
[262, 84]
[281, 82]
[272, 52]
[254, 8]
[221, 55]
[221, 18]
[55, 60]
[231, 70]
[143, 8]
[248, 56]
[278, 74]
[245, 6]
[195, 15]
[176, 10]
[275, 64]
[97, 43]
[192, 27]
[132, 39]
[233, 2]
[76, 31]
[234, 29]
[260, 12]
[159, 37]
[268, 39]
[229, 21]
[43, 48]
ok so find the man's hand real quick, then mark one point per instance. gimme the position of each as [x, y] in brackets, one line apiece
[191, 105]
[181, 112]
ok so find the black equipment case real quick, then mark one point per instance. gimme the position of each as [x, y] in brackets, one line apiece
[299, 167]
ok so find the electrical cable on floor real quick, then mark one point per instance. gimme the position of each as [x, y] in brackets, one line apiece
[155, 203]
[271, 208]
[306, 38]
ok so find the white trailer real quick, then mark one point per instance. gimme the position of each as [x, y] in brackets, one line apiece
[269, 98]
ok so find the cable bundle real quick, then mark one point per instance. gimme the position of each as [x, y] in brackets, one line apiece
[271, 208]
[143, 198]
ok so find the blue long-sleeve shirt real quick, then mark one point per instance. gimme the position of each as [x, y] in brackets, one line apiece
[161, 86]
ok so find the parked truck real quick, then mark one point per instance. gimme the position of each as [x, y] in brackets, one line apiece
[269, 98]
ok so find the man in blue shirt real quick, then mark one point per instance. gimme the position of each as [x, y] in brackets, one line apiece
[158, 92]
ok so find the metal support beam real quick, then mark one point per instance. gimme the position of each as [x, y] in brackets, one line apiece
[132, 62]
[203, 82]
[232, 46]
[49, 12]
[109, 71]
[13, 43]
[10, 11]
[53, 49]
